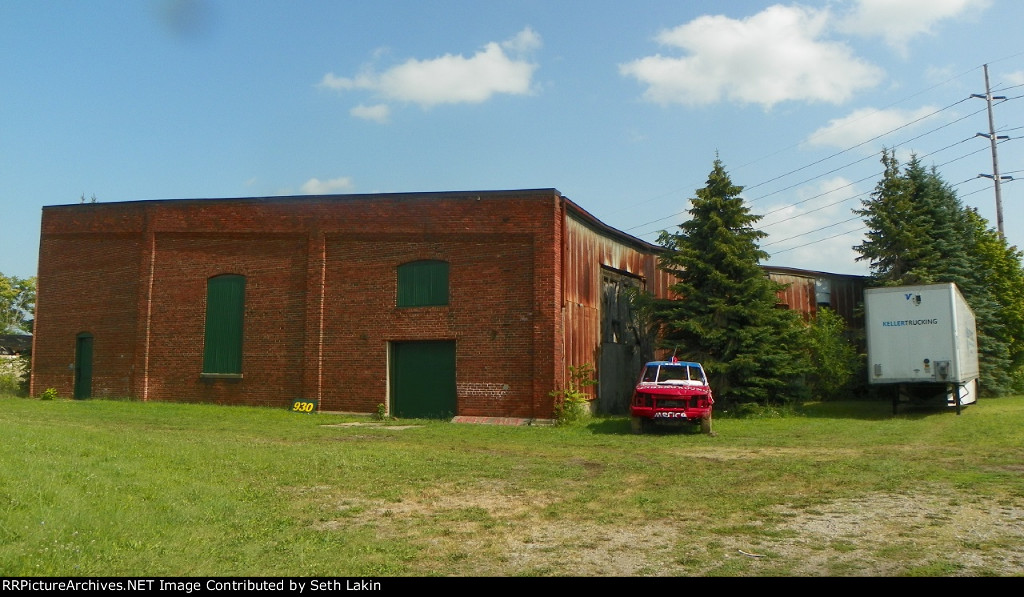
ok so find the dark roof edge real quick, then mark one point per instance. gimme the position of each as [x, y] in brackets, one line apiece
[549, 192]
[795, 270]
[590, 220]
[337, 196]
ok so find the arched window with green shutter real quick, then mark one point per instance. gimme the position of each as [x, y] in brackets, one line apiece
[225, 308]
[423, 283]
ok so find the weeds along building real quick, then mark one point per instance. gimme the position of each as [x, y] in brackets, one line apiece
[432, 304]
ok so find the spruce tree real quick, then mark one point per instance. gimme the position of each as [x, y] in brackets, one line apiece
[726, 315]
[881, 212]
[999, 274]
[920, 233]
[893, 240]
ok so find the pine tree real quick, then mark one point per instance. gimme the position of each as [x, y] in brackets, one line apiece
[920, 233]
[887, 238]
[896, 241]
[727, 314]
[1000, 276]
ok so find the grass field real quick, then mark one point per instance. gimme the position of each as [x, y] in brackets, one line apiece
[118, 488]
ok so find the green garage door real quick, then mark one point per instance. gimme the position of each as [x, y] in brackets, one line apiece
[423, 380]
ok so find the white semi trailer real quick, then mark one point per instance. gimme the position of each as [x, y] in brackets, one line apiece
[922, 340]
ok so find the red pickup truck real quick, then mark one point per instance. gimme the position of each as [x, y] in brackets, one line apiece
[671, 393]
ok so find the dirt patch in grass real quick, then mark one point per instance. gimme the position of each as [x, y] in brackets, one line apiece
[885, 535]
[381, 426]
[498, 530]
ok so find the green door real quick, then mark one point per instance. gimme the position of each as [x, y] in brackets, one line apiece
[423, 380]
[83, 366]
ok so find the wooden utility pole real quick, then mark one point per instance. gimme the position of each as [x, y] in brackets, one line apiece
[993, 139]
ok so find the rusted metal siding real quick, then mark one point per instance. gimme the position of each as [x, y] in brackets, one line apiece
[590, 250]
[598, 260]
[798, 294]
[848, 299]
[845, 293]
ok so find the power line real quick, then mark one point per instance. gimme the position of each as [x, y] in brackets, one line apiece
[809, 232]
[995, 140]
[814, 242]
[802, 234]
[837, 189]
[999, 139]
[821, 240]
[950, 106]
[862, 143]
[841, 152]
[834, 170]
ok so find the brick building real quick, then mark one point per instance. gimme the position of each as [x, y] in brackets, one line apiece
[433, 304]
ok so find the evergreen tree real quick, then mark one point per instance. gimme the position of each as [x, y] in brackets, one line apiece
[938, 255]
[727, 315]
[920, 233]
[890, 236]
[1001, 274]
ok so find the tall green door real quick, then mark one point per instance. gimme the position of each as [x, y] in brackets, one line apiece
[423, 380]
[83, 366]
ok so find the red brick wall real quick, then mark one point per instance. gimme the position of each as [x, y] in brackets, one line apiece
[134, 274]
[490, 316]
[88, 283]
[274, 325]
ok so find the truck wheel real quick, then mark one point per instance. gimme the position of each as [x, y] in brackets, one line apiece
[638, 425]
[705, 425]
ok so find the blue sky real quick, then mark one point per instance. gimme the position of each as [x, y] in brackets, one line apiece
[621, 106]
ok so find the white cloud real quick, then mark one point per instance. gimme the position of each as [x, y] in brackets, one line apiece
[524, 42]
[864, 125]
[774, 56]
[378, 113]
[450, 79]
[315, 186]
[1015, 78]
[333, 81]
[898, 22]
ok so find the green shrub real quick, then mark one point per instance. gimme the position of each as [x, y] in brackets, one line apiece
[834, 362]
[572, 403]
[382, 413]
[48, 394]
[14, 375]
[9, 385]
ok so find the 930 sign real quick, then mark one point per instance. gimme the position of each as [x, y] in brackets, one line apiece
[304, 406]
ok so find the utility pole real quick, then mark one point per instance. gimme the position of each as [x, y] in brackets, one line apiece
[993, 139]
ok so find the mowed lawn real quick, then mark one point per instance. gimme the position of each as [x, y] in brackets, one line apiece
[120, 488]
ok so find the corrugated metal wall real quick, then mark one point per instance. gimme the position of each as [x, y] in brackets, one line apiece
[591, 254]
[807, 289]
[799, 293]
[597, 259]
